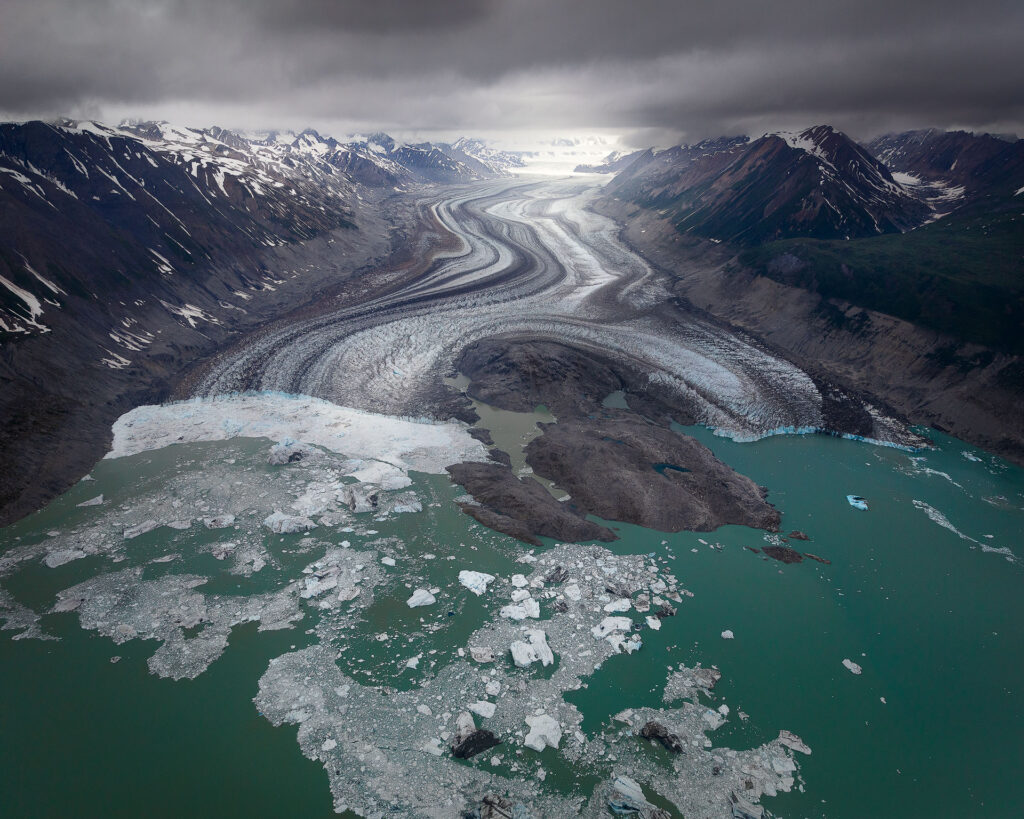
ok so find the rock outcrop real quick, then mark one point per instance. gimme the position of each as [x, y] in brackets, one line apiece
[521, 507]
[624, 468]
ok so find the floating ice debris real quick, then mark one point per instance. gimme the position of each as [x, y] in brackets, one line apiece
[792, 741]
[433, 747]
[97, 501]
[180, 524]
[610, 625]
[219, 521]
[407, 504]
[483, 708]
[519, 581]
[857, 502]
[742, 809]
[385, 475]
[420, 597]
[918, 468]
[389, 758]
[685, 682]
[413, 662]
[476, 582]
[16, 617]
[727, 634]
[328, 745]
[344, 570]
[284, 524]
[360, 497]
[653, 623]
[852, 666]
[222, 550]
[627, 797]
[524, 654]
[999, 550]
[388, 561]
[124, 607]
[545, 732]
[391, 753]
[970, 456]
[513, 612]
[58, 557]
[702, 776]
[939, 518]
[288, 452]
[621, 642]
[140, 529]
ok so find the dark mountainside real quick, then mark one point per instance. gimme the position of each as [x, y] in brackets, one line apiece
[613, 163]
[929, 320]
[818, 183]
[127, 253]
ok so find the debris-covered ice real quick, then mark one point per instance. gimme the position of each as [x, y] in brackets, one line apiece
[124, 607]
[420, 752]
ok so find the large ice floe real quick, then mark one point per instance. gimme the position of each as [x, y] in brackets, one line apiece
[392, 446]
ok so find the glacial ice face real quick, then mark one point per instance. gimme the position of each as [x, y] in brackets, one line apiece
[392, 446]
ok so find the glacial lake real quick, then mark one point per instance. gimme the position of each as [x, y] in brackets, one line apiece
[934, 726]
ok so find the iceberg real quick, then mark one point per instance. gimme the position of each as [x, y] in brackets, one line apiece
[476, 582]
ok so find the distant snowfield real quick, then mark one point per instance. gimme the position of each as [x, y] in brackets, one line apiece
[405, 444]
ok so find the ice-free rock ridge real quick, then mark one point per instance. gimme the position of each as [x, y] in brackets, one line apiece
[662, 479]
[521, 507]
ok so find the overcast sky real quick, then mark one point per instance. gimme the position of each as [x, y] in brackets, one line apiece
[653, 72]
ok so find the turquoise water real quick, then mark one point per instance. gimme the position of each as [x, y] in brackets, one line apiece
[935, 623]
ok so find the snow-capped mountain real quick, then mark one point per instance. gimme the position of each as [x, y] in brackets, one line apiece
[126, 251]
[613, 163]
[955, 167]
[815, 183]
[493, 160]
[151, 200]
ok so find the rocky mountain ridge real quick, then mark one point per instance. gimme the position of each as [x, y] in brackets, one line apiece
[815, 183]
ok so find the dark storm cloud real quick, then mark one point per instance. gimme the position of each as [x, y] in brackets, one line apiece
[684, 68]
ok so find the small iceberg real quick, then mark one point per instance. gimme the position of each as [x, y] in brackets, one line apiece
[857, 502]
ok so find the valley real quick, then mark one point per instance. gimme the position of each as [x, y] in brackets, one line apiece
[478, 484]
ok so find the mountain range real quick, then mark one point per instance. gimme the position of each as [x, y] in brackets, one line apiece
[127, 252]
